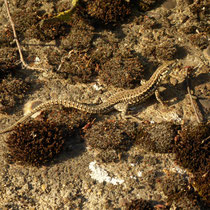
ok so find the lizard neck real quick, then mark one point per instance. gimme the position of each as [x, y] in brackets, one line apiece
[143, 92]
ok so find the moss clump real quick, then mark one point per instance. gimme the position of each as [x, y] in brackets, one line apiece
[12, 92]
[80, 36]
[9, 61]
[24, 20]
[180, 194]
[109, 134]
[109, 156]
[192, 152]
[157, 137]
[145, 5]
[72, 118]
[36, 143]
[6, 37]
[105, 11]
[28, 24]
[78, 67]
[123, 71]
[139, 204]
[200, 40]
[166, 50]
[52, 29]
[200, 183]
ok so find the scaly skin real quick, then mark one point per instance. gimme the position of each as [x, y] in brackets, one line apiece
[119, 101]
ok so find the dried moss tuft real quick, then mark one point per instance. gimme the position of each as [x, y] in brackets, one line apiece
[12, 92]
[77, 68]
[106, 11]
[109, 134]
[36, 143]
[123, 71]
[145, 5]
[9, 61]
[157, 137]
[139, 204]
[180, 194]
[192, 152]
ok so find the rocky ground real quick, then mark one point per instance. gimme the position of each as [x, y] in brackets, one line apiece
[67, 159]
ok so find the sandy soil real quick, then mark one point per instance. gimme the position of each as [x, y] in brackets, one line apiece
[79, 179]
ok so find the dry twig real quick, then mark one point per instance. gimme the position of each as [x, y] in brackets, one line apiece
[17, 42]
[191, 99]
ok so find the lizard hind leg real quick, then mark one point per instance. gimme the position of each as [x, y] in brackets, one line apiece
[122, 107]
[159, 98]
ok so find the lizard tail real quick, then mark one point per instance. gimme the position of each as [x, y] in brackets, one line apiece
[90, 108]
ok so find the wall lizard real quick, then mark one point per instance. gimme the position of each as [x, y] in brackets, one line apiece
[119, 101]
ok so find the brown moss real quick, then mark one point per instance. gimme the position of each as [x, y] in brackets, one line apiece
[139, 204]
[109, 134]
[157, 137]
[106, 11]
[123, 71]
[80, 36]
[52, 29]
[72, 118]
[36, 143]
[28, 24]
[200, 182]
[78, 67]
[103, 50]
[145, 5]
[199, 9]
[6, 37]
[192, 152]
[12, 92]
[180, 194]
[108, 156]
[166, 50]
[24, 20]
[9, 61]
[199, 40]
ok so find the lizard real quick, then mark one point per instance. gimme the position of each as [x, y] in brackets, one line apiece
[119, 101]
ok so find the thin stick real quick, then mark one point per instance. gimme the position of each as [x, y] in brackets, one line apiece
[17, 42]
[207, 138]
[191, 99]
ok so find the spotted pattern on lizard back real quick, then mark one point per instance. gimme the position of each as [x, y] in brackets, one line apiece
[121, 99]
